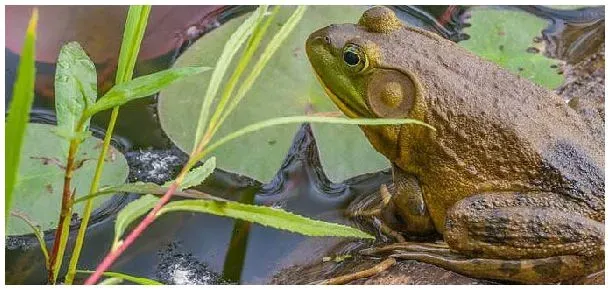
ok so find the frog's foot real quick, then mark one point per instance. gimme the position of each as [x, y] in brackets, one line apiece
[530, 271]
[371, 207]
[439, 248]
[381, 267]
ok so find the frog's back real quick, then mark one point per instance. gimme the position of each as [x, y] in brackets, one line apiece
[494, 123]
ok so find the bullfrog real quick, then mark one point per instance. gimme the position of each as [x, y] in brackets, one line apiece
[511, 177]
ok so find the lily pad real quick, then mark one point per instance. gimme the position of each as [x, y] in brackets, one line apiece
[39, 185]
[506, 37]
[286, 87]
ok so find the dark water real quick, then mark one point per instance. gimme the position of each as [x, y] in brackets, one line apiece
[193, 248]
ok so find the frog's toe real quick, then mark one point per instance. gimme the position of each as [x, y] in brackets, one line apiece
[440, 248]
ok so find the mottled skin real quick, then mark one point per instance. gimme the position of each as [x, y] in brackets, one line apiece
[511, 177]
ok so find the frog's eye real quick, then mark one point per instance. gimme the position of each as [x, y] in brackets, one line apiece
[354, 58]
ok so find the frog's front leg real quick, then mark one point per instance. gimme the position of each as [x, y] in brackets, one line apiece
[397, 209]
[527, 238]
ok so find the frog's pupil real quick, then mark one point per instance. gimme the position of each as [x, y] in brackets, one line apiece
[351, 58]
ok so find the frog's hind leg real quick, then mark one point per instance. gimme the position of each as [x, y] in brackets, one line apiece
[530, 271]
[535, 238]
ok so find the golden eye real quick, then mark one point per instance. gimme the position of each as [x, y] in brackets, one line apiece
[354, 58]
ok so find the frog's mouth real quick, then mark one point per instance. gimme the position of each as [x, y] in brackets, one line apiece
[342, 106]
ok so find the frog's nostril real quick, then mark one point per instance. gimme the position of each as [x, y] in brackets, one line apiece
[327, 39]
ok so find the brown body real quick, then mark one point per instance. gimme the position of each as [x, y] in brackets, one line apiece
[511, 177]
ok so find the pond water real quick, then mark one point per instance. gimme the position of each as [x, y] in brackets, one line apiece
[197, 248]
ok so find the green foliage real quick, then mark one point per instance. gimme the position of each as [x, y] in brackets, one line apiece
[75, 87]
[197, 175]
[130, 213]
[137, 280]
[19, 112]
[39, 190]
[135, 26]
[229, 50]
[141, 87]
[286, 86]
[503, 36]
[266, 216]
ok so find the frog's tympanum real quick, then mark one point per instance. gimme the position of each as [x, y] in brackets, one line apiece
[511, 177]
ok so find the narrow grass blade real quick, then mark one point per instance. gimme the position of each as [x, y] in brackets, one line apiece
[135, 26]
[146, 188]
[19, 112]
[111, 281]
[267, 216]
[75, 87]
[137, 280]
[131, 212]
[244, 60]
[197, 175]
[230, 49]
[271, 48]
[38, 233]
[303, 119]
[141, 87]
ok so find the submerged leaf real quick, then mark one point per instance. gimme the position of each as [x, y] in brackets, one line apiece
[130, 213]
[266, 216]
[75, 86]
[38, 191]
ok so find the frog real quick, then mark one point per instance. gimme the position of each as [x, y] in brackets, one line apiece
[510, 178]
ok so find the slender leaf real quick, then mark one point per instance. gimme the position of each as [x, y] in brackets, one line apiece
[271, 48]
[141, 87]
[197, 175]
[137, 280]
[310, 119]
[37, 232]
[267, 216]
[19, 112]
[111, 281]
[75, 87]
[244, 60]
[135, 26]
[230, 49]
[146, 188]
[131, 212]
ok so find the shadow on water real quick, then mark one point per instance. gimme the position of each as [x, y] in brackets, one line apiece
[203, 249]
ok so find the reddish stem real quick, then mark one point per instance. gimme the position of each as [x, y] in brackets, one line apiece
[113, 255]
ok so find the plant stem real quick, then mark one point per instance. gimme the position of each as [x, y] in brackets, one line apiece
[135, 233]
[64, 216]
[89, 205]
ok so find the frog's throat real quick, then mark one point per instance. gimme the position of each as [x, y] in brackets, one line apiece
[345, 109]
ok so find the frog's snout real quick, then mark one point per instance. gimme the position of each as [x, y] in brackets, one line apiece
[320, 37]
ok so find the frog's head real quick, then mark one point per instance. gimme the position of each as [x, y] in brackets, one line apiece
[360, 66]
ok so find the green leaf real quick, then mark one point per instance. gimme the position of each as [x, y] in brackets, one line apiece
[503, 36]
[286, 86]
[310, 119]
[141, 87]
[131, 212]
[135, 26]
[75, 86]
[38, 192]
[111, 281]
[197, 175]
[231, 47]
[271, 48]
[266, 216]
[19, 112]
[137, 280]
[37, 232]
